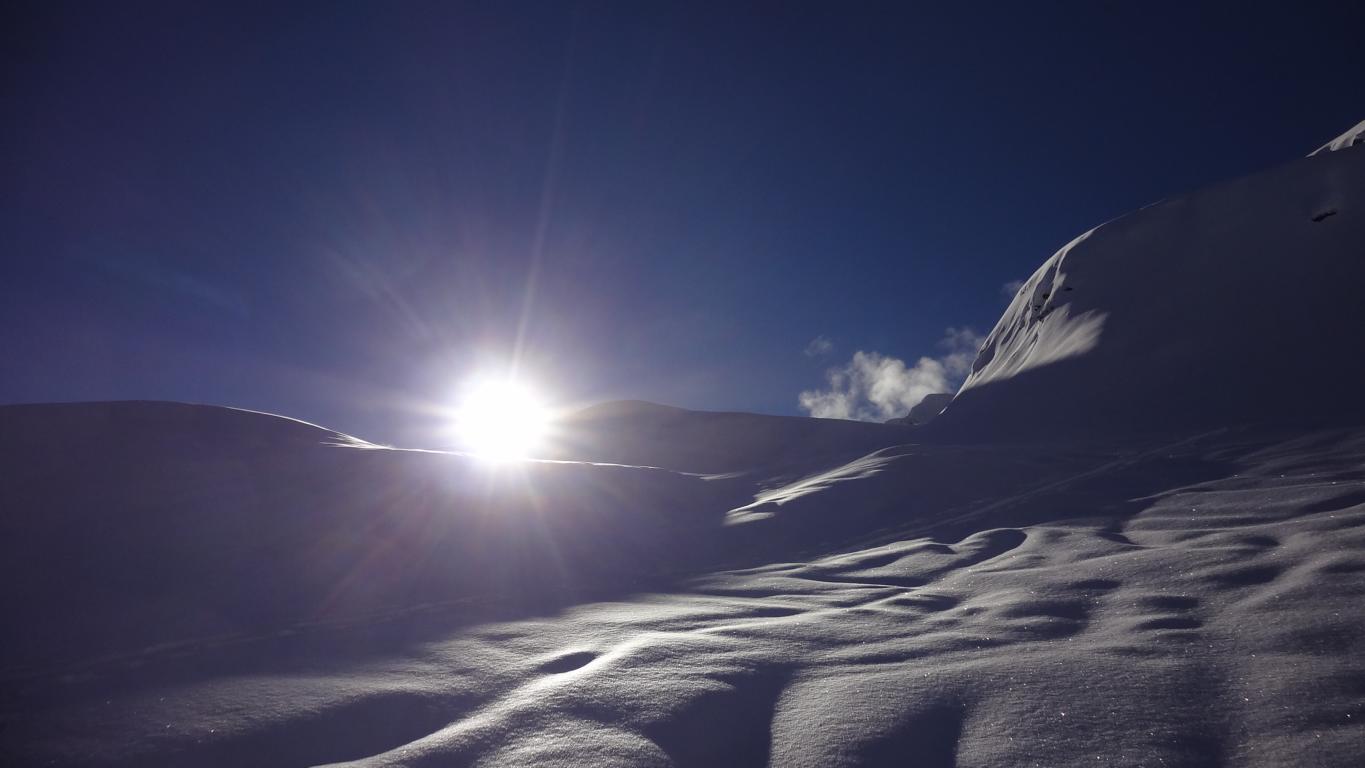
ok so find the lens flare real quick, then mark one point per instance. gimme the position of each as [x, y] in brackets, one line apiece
[500, 420]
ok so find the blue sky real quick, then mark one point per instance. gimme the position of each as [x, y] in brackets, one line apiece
[340, 212]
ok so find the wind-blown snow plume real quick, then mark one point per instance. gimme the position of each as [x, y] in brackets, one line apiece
[1011, 289]
[960, 346]
[876, 387]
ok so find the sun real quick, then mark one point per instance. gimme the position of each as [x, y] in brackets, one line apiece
[500, 420]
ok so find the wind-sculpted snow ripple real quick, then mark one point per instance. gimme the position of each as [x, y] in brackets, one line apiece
[1203, 623]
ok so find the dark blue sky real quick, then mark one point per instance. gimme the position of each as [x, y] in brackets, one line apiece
[338, 214]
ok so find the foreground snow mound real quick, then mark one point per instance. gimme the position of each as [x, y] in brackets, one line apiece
[1241, 303]
[1111, 609]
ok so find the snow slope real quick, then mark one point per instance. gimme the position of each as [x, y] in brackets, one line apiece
[1135, 537]
[133, 524]
[1240, 303]
[1185, 603]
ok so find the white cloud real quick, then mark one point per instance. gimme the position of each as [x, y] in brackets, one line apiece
[819, 346]
[875, 387]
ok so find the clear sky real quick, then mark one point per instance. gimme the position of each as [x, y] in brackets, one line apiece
[339, 213]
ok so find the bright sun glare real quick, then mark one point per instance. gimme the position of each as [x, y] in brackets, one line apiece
[500, 420]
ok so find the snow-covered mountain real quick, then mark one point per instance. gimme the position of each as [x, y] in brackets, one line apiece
[1240, 303]
[1135, 537]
